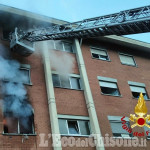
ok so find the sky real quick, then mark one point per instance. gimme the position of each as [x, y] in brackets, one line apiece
[76, 10]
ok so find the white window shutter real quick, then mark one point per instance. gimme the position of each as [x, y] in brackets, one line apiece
[99, 52]
[127, 59]
[137, 89]
[108, 84]
[117, 128]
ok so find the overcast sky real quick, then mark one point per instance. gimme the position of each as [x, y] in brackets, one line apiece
[75, 10]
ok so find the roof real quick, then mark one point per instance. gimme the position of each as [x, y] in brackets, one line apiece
[127, 42]
[31, 15]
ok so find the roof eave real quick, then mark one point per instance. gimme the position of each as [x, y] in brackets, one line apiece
[127, 42]
[31, 15]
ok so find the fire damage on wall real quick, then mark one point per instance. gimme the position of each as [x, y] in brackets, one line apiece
[18, 117]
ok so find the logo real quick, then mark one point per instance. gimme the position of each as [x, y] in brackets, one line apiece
[140, 111]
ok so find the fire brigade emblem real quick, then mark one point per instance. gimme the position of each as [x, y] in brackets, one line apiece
[140, 110]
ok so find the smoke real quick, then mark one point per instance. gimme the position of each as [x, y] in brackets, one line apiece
[14, 95]
[63, 62]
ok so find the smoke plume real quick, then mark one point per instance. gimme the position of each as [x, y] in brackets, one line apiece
[14, 95]
[63, 64]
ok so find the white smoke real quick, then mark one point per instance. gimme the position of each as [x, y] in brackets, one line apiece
[14, 95]
[63, 62]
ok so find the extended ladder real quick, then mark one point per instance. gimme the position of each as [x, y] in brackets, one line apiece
[126, 22]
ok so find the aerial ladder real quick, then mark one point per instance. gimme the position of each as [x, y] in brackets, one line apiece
[126, 22]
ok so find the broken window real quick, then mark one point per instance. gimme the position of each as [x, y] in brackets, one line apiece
[99, 54]
[15, 125]
[109, 88]
[65, 81]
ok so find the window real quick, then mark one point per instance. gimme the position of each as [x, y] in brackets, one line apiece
[6, 33]
[65, 81]
[22, 75]
[26, 73]
[63, 45]
[58, 45]
[127, 59]
[75, 83]
[99, 54]
[15, 125]
[73, 127]
[68, 47]
[136, 88]
[56, 80]
[108, 86]
[76, 126]
[116, 127]
[147, 130]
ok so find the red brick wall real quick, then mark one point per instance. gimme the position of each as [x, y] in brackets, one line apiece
[38, 99]
[72, 102]
[110, 105]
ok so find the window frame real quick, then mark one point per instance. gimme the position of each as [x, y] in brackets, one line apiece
[109, 80]
[138, 84]
[67, 42]
[147, 136]
[23, 67]
[63, 46]
[117, 119]
[70, 76]
[99, 49]
[128, 56]
[68, 127]
[29, 71]
[77, 119]
[78, 80]
[18, 128]
[59, 80]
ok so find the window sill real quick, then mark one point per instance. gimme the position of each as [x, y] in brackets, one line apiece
[138, 98]
[101, 59]
[63, 51]
[148, 138]
[15, 134]
[19, 82]
[75, 135]
[130, 65]
[68, 88]
[112, 95]
[131, 138]
[30, 84]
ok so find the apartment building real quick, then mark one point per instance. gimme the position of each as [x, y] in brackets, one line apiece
[77, 90]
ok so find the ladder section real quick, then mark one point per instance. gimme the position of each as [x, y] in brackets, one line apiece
[123, 23]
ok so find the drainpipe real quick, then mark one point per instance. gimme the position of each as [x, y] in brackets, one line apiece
[89, 99]
[56, 138]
